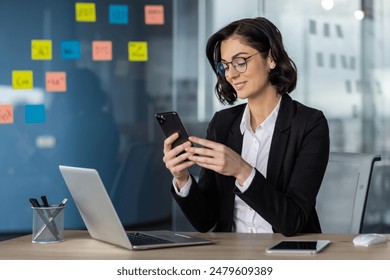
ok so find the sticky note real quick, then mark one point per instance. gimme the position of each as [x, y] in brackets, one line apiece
[85, 12]
[41, 49]
[22, 79]
[118, 14]
[154, 14]
[55, 81]
[70, 49]
[35, 113]
[101, 50]
[6, 113]
[138, 51]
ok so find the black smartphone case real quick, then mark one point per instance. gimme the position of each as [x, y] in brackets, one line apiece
[170, 123]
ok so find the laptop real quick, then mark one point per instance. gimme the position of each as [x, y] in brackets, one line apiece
[102, 221]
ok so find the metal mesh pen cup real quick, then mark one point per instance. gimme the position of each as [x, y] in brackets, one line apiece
[48, 224]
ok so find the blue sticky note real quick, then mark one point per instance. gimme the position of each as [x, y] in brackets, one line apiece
[118, 14]
[70, 49]
[35, 113]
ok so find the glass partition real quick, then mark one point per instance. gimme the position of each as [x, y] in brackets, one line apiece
[79, 85]
[339, 47]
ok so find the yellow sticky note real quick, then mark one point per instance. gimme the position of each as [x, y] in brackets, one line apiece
[85, 12]
[154, 14]
[55, 81]
[41, 49]
[22, 79]
[101, 50]
[6, 113]
[138, 51]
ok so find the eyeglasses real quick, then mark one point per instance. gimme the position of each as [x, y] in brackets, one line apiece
[239, 64]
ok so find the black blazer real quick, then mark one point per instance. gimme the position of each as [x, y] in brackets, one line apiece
[297, 161]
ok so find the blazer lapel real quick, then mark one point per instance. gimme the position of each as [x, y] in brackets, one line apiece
[233, 139]
[280, 138]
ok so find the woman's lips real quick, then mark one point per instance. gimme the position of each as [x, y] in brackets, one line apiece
[239, 86]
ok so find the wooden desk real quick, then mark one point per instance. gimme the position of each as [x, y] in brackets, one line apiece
[241, 246]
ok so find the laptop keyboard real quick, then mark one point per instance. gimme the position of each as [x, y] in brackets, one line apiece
[138, 239]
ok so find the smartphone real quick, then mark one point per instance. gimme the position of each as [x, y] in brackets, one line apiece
[299, 246]
[170, 123]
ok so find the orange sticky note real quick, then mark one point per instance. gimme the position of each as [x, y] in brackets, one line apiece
[41, 49]
[101, 50]
[138, 51]
[154, 14]
[55, 81]
[22, 79]
[6, 113]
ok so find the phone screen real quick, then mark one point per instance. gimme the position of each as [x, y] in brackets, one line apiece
[298, 246]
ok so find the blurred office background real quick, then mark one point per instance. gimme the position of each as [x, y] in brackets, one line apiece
[105, 118]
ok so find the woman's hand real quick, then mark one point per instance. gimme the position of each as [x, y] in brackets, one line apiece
[219, 158]
[176, 162]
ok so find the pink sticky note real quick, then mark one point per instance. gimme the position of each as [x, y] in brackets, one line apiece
[101, 50]
[6, 113]
[55, 81]
[154, 14]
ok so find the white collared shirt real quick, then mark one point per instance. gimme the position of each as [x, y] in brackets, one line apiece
[255, 151]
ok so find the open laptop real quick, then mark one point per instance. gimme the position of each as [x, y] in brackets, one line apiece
[102, 221]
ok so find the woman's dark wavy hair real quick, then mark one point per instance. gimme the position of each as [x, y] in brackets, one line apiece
[262, 35]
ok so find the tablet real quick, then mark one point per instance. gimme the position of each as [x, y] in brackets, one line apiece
[298, 246]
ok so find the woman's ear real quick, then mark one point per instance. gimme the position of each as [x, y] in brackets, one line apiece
[271, 61]
[272, 65]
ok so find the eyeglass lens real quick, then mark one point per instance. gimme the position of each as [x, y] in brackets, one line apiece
[239, 64]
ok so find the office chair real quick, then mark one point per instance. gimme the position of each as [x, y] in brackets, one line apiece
[341, 201]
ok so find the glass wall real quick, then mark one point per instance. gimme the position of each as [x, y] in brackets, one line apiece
[339, 47]
[79, 85]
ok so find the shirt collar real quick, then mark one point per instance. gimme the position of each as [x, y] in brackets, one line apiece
[270, 120]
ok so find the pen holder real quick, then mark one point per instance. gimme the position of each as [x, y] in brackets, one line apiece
[48, 224]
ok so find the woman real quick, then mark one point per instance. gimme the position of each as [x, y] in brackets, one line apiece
[262, 161]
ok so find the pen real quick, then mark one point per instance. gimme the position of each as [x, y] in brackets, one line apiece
[56, 212]
[46, 204]
[44, 201]
[36, 204]
[63, 203]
